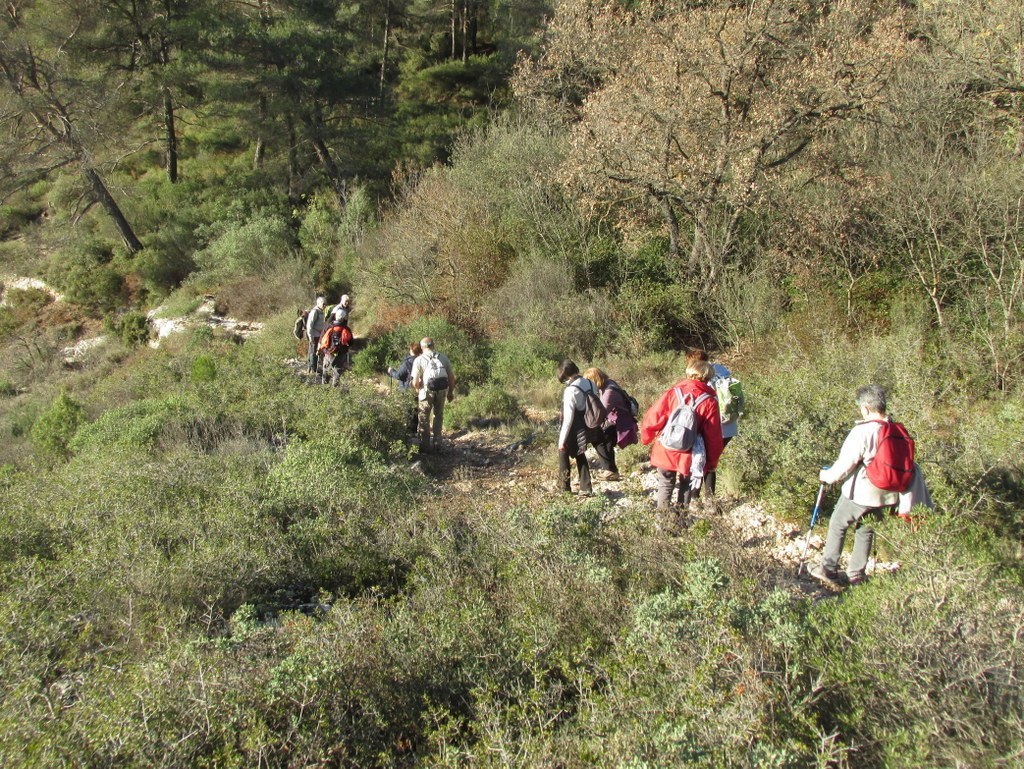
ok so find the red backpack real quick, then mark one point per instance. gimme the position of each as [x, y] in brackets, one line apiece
[335, 337]
[892, 468]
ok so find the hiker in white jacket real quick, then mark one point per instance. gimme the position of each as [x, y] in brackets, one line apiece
[860, 500]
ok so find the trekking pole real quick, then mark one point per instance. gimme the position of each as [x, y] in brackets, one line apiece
[814, 519]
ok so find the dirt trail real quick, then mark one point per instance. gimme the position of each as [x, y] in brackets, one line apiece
[513, 470]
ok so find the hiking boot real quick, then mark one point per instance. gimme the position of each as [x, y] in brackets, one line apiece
[608, 475]
[856, 579]
[824, 573]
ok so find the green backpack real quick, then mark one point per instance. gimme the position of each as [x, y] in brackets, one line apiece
[730, 398]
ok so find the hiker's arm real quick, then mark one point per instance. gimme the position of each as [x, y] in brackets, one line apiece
[654, 419]
[451, 375]
[850, 456]
[416, 375]
[568, 414]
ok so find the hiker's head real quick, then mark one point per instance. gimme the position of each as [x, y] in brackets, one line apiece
[345, 300]
[427, 344]
[597, 376]
[320, 301]
[872, 398]
[696, 354]
[700, 370]
[567, 370]
[415, 348]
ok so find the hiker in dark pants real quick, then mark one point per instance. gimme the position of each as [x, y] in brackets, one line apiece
[572, 435]
[860, 501]
[403, 375]
[621, 429]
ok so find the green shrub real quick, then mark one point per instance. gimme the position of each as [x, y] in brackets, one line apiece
[166, 261]
[254, 248]
[135, 427]
[520, 361]
[204, 369]
[922, 669]
[488, 405]
[87, 275]
[653, 315]
[132, 328]
[467, 357]
[55, 428]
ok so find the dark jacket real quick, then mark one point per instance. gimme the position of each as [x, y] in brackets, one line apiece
[404, 372]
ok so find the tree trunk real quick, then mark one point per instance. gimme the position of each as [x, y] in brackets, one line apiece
[384, 51]
[171, 137]
[293, 156]
[261, 147]
[465, 37]
[323, 153]
[105, 199]
[453, 28]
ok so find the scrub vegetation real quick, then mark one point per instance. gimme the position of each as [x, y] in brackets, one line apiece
[207, 561]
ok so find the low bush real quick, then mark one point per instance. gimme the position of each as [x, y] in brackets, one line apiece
[924, 669]
[253, 248]
[88, 277]
[55, 428]
[204, 369]
[521, 361]
[486, 406]
[132, 328]
[468, 358]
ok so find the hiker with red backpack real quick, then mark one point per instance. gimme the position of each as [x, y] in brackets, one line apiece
[334, 346]
[875, 467]
[684, 430]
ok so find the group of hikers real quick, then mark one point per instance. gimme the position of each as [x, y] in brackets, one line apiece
[329, 338]
[425, 370]
[708, 396]
[687, 427]
[692, 421]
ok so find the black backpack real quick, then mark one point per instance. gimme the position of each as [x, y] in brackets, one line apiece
[299, 330]
[634, 404]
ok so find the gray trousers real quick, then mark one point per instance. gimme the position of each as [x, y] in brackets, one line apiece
[313, 359]
[667, 484]
[431, 414]
[846, 514]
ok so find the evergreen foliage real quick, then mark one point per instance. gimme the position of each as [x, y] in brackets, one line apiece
[205, 561]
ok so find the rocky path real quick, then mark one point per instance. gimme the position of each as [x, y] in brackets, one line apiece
[515, 470]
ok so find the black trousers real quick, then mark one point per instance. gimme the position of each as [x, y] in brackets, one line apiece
[606, 451]
[582, 467]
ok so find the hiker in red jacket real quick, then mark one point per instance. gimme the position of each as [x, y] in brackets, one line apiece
[680, 465]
